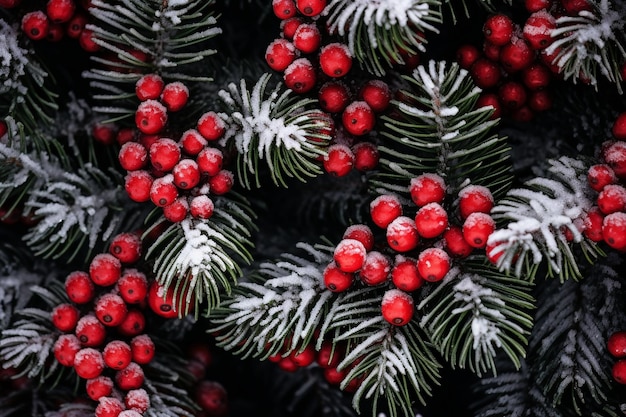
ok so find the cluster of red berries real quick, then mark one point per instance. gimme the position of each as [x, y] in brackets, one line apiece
[210, 395]
[421, 246]
[177, 175]
[513, 68]
[103, 337]
[616, 345]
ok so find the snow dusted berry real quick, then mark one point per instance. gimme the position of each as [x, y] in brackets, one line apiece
[163, 191]
[307, 38]
[64, 317]
[619, 371]
[109, 407]
[133, 156]
[600, 175]
[60, 11]
[280, 53]
[433, 264]
[150, 117]
[161, 301]
[498, 29]
[310, 8]
[192, 142]
[138, 184]
[175, 96]
[338, 160]
[126, 247]
[592, 224]
[516, 56]
[384, 209]
[358, 118]
[375, 269]
[538, 29]
[616, 344]
[475, 199]
[201, 207]
[284, 9]
[615, 156]
[376, 94]
[536, 77]
[222, 182]
[36, 25]
[164, 154]
[349, 255]
[186, 174]
[149, 87]
[65, 349]
[300, 76]
[101, 386]
[427, 188]
[130, 378]
[211, 126]
[333, 96]
[79, 287]
[477, 228]
[143, 349]
[137, 400]
[455, 243]
[88, 363]
[110, 309]
[134, 323]
[210, 161]
[335, 60]
[117, 355]
[612, 198]
[105, 269]
[289, 26]
[397, 307]
[90, 331]
[362, 233]
[366, 156]
[337, 280]
[405, 275]
[431, 220]
[132, 286]
[614, 230]
[485, 73]
[402, 234]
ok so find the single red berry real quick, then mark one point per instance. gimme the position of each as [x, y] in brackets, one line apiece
[60, 11]
[384, 209]
[516, 56]
[376, 269]
[104, 133]
[284, 9]
[56, 31]
[192, 142]
[304, 357]
[289, 26]
[65, 317]
[538, 29]
[537, 76]
[619, 371]
[134, 323]
[138, 184]
[491, 51]
[132, 286]
[376, 94]
[551, 59]
[614, 154]
[473, 199]
[616, 344]
[201, 207]
[133, 156]
[110, 309]
[117, 355]
[149, 87]
[573, 7]
[9, 4]
[477, 228]
[76, 25]
[366, 156]
[211, 126]
[427, 188]
[333, 96]
[402, 234]
[536, 5]
[466, 55]
[87, 41]
[362, 233]
[186, 174]
[337, 280]
[619, 127]
[300, 76]
[397, 307]
[405, 275]
[212, 398]
[101, 386]
[310, 8]
[163, 191]
[109, 407]
[105, 269]
[433, 264]
[131, 377]
[164, 154]
[349, 255]
[36, 25]
[280, 53]
[142, 348]
[126, 247]
[358, 118]
[329, 355]
[79, 287]
[485, 73]
[338, 160]
[498, 29]
[614, 230]
[88, 363]
[523, 115]
[455, 243]
[490, 100]
[335, 60]
[494, 252]
[65, 349]
[137, 400]
[222, 182]
[175, 96]
[210, 161]
[612, 198]
[599, 176]
[307, 38]
[512, 95]
[431, 220]
[592, 224]
[540, 101]
[334, 376]
[162, 301]
[150, 117]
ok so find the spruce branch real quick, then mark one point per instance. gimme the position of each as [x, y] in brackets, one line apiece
[377, 32]
[278, 127]
[437, 128]
[199, 259]
[539, 219]
[475, 314]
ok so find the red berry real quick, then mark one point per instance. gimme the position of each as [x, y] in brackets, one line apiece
[498, 29]
[60, 11]
[338, 160]
[512, 95]
[540, 101]
[212, 398]
[536, 5]
[366, 156]
[337, 280]
[615, 156]
[90, 331]
[161, 301]
[592, 224]
[222, 182]
[616, 344]
[433, 264]
[333, 96]
[612, 198]
[516, 56]
[473, 199]
[36, 25]
[126, 247]
[307, 38]
[466, 55]
[619, 127]
[164, 154]
[149, 87]
[284, 9]
[405, 275]
[163, 191]
[455, 243]
[210, 161]
[485, 73]
[599, 176]
[87, 41]
[65, 349]
[538, 29]
[362, 233]
[65, 317]
[133, 156]
[384, 209]
[211, 126]
[349, 255]
[175, 96]
[109, 407]
[105, 269]
[150, 117]
[88, 363]
[192, 142]
[490, 100]
[335, 60]
[280, 54]
[329, 355]
[133, 286]
[491, 51]
[431, 220]
[201, 207]
[9, 4]
[186, 174]
[142, 348]
[402, 234]
[138, 400]
[104, 133]
[523, 115]
[101, 386]
[305, 357]
[397, 307]
[111, 309]
[536, 76]
[376, 268]
[300, 76]
[619, 371]
[200, 352]
[310, 8]
[289, 26]
[177, 211]
[76, 25]
[427, 188]
[134, 323]
[376, 94]
[573, 7]
[614, 230]
[129, 378]
[79, 287]
[477, 228]
[117, 355]
[334, 376]
[358, 118]
[138, 184]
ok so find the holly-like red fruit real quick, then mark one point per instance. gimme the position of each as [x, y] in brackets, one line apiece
[90, 331]
[397, 307]
[536, 5]
[134, 323]
[133, 156]
[540, 101]
[498, 29]
[138, 184]
[612, 198]
[105, 269]
[137, 400]
[192, 142]
[573, 7]
[614, 154]
[280, 53]
[126, 247]
[65, 349]
[335, 60]
[538, 29]
[161, 301]
[36, 25]
[109, 407]
[9, 4]
[512, 95]
[87, 41]
[366, 156]
[300, 76]
[305, 357]
[79, 287]
[431, 220]
[433, 264]
[362, 233]
[310, 8]
[333, 96]
[402, 234]
[175, 96]
[338, 160]
[131, 377]
[536, 77]
[210, 161]
[592, 224]
[516, 56]
[455, 243]
[212, 398]
[110, 309]
[335, 279]
[222, 182]
[117, 355]
[427, 188]
[614, 230]
[334, 376]
[307, 38]
[201, 207]
[142, 349]
[284, 9]
[616, 344]
[491, 51]
[600, 175]
[88, 363]
[60, 11]
[101, 386]
[475, 199]
[211, 126]
[376, 94]
[65, 317]
[619, 127]
[289, 26]
[349, 255]
[104, 133]
[384, 209]
[149, 87]
[466, 55]
[619, 371]
[151, 117]
[163, 191]
[477, 228]
[186, 174]
[164, 154]
[329, 355]
[76, 25]
[485, 73]
[375, 269]
[358, 118]
[132, 286]
[405, 275]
